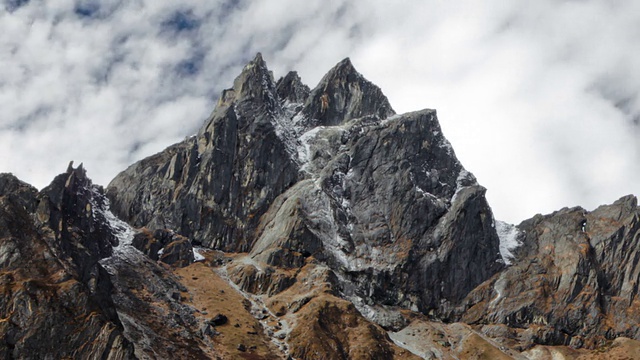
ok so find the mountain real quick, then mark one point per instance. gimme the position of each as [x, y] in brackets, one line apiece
[309, 224]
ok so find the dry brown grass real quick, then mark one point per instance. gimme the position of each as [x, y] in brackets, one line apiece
[211, 295]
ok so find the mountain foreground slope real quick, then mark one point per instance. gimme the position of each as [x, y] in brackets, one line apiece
[309, 224]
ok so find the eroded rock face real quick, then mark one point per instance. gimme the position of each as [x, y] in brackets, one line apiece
[379, 207]
[54, 291]
[286, 173]
[344, 94]
[574, 280]
[214, 187]
[164, 245]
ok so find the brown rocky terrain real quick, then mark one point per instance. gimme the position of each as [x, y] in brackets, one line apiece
[52, 286]
[309, 224]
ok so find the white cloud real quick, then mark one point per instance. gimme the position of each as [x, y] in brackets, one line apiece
[537, 98]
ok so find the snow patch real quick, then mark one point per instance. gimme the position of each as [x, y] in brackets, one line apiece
[197, 256]
[464, 175]
[463, 180]
[289, 126]
[385, 122]
[508, 235]
[121, 230]
[447, 146]
[303, 150]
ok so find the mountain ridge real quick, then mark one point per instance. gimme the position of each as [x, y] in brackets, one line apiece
[343, 229]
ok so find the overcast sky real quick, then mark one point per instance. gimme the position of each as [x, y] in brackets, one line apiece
[539, 98]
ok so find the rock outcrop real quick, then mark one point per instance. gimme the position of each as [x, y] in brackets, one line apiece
[213, 188]
[164, 245]
[54, 291]
[149, 298]
[574, 280]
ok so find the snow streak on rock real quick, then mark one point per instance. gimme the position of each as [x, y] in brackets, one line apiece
[289, 127]
[508, 235]
[197, 256]
[120, 229]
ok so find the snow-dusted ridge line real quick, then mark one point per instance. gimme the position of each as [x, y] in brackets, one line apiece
[291, 127]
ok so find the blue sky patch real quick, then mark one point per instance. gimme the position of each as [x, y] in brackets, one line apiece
[13, 5]
[181, 21]
[87, 9]
[191, 66]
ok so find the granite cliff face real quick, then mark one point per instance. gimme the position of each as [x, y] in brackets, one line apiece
[308, 224]
[336, 175]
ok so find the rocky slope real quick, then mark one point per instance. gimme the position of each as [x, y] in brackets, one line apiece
[51, 244]
[309, 224]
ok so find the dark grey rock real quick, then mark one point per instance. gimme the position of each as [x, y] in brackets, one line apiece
[344, 94]
[291, 89]
[218, 320]
[178, 253]
[147, 244]
[159, 326]
[214, 188]
[23, 193]
[208, 330]
[164, 245]
[388, 206]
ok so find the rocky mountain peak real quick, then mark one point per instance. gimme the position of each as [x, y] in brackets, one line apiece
[344, 231]
[343, 94]
[216, 186]
[291, 89]
[18, 190]
[67, 206]
[335, 179]
[254, 87]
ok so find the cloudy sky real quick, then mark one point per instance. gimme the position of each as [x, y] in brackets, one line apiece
[540, 99]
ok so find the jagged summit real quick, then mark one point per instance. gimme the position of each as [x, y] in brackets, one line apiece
[291, 89]
[254, 85]
[343, 94]
[54, 290]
